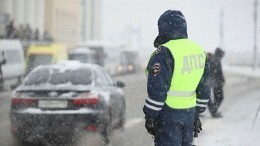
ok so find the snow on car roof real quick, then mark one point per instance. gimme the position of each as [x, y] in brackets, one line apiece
[67, 65]
[38, 79]
[81, 50]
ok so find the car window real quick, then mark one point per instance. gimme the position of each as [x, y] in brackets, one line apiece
[38, 77]
[100, 78]
[75, 77]
[80, 76]
[36, 60]
[10, 56]
[108, 78]
[56, 77]
[84, 58]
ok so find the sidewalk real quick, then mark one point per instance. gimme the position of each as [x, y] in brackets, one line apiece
[236, 127]
[242, 70]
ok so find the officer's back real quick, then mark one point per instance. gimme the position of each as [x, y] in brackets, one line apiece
[177, 83]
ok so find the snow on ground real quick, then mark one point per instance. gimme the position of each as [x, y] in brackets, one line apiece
[243, 70]
[236, 127]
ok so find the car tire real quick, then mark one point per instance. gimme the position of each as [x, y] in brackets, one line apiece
[122, 118]
[17, 134]
[21, 141]
[107, 128]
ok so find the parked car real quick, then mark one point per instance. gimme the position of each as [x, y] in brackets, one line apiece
[66, 97]
[128, 62]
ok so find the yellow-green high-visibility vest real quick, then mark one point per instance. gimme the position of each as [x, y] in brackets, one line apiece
[189, 63]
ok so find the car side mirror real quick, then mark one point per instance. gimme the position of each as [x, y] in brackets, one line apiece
[120, 84]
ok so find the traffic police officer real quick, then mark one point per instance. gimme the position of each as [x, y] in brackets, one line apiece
[178, 86]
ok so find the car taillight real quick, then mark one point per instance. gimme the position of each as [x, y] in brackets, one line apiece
[85, 99]
[20, 99]
[23, 101]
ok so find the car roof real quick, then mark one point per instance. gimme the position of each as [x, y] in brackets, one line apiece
[68, 65]
[46, 48]
[14, 44]
[81, 50]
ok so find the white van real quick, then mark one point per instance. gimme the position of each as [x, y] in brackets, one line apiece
[14, 55]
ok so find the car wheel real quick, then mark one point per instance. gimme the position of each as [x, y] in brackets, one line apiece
[106, 130]
[122, 118]
[22, 141]
[17, 133]
[14, 130]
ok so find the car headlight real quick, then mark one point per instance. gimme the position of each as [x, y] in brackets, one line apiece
[120, 68]
[130, 67]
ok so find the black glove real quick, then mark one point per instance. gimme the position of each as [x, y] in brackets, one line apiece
[151, 126]
[197, 124]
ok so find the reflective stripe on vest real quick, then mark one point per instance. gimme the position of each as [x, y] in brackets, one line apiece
[181, 93]
[189, 63]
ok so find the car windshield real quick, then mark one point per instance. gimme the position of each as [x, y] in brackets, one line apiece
[36, 60]
[80, 57]
[55, 76]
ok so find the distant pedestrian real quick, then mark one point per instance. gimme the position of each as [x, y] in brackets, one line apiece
[47, 37]
[217, 82]
[36, 35]
[210, 62]
[20, 32]
[10, 31]
[28, 33]
[3, 61]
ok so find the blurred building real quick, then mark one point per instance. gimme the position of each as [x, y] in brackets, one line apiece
[92, 20]
[66, 21]
[63, 20]
[22, 12]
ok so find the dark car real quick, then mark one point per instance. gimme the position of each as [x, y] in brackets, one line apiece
[128, 62]
[64, 98]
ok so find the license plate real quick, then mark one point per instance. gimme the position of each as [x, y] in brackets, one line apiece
[53, 104]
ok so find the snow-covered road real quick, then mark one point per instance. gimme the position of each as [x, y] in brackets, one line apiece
[239, 110]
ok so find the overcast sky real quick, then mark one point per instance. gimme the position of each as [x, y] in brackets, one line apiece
[202, 16]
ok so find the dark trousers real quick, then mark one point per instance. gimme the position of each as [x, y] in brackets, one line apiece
[175, 128]
[218, 97]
